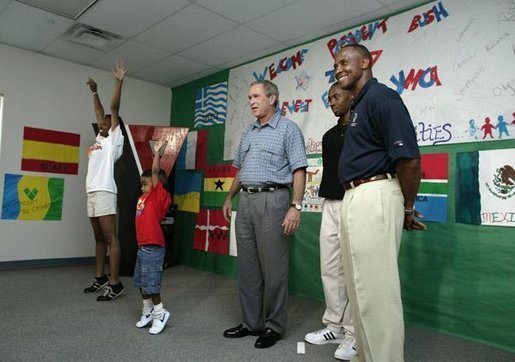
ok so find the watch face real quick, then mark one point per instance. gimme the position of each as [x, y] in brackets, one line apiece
[298, 206]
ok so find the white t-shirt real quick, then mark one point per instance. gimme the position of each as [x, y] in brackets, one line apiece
[102, 156]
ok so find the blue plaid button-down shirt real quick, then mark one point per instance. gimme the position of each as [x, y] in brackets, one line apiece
[269, 154]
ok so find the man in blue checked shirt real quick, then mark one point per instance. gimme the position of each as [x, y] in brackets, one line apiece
[270, 158]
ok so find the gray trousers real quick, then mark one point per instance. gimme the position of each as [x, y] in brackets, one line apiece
[263, 259]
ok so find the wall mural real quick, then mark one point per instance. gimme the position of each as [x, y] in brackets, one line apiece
[452, 62]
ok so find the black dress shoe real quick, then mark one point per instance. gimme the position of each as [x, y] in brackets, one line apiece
[267, 339]
[240, 331]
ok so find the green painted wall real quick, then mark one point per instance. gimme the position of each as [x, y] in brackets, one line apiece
[457, 279]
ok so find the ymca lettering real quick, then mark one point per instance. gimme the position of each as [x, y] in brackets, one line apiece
[423, 77]
[437, 12]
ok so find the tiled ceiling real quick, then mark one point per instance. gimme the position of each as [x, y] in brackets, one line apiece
[172, 42]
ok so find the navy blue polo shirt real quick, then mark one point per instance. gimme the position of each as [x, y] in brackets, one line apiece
[380, 131]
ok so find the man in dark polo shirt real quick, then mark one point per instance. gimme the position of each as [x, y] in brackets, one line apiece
[380, 170]
[271, 157]
[337, 319]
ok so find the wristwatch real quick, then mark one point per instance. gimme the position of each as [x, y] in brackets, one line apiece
[297, 206]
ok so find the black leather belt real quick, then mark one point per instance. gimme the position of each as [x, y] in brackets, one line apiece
[355, 183]
[267, 188]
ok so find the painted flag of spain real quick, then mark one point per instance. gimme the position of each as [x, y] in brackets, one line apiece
[50, 151]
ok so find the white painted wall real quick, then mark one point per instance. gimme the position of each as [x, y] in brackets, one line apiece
[48, 93]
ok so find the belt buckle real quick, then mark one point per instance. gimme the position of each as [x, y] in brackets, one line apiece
[352, 185]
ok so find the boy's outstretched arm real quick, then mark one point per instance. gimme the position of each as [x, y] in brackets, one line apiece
[99, 109]
[155, 162]
[119, 72]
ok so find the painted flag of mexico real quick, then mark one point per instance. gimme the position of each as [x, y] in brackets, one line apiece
[50, 151]
[217, 182]
[485, 187]
[432, 194]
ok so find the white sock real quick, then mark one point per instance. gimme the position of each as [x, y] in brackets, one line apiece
[158, 309]
[147, 306]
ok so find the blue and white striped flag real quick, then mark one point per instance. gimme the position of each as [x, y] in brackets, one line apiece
[211, 105]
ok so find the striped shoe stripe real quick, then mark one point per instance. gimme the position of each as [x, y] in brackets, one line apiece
[329, 336]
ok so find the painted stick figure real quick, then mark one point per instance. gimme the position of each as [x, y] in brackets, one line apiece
[487, 127]
[502, 126]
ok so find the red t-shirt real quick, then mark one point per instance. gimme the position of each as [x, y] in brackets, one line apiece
[150, 210]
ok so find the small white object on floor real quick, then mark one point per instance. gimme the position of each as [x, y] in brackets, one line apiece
[301, 347]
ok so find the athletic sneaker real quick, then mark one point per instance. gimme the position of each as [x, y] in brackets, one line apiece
[324, 336]
[97, 284]
[145, 320]
[347, 349]
[111, 292]
[159, 321]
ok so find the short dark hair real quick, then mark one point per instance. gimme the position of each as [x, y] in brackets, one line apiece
[335, 84]
[162, 175]
[360, 49]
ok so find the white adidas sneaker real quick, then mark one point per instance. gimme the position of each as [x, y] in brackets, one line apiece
[324, 336]
[347, 349]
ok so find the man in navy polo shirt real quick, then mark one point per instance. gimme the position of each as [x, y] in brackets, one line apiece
[271, 156]
[380, 171]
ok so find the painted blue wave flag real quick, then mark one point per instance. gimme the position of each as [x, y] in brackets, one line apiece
[211, 105]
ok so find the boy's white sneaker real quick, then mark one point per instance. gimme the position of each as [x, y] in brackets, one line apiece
[347, 349]
[145, 319]
[324, 336]
[159, 321]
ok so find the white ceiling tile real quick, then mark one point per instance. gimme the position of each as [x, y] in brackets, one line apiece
[129, 17]
[135, 55]
[73, 52]
[243, 11]
[400, 5]
[209, 32]
[338, 27]
[189, 26]
[229, 45]
[253, 56]
[3, 3]
[195, 76]
[69, 8]
[285, 23]
[27, 27]
[169, 70]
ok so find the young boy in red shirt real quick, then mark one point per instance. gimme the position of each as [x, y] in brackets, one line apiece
[150, 210]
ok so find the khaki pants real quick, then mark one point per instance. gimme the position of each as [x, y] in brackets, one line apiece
[372, 221]
[337, 316]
